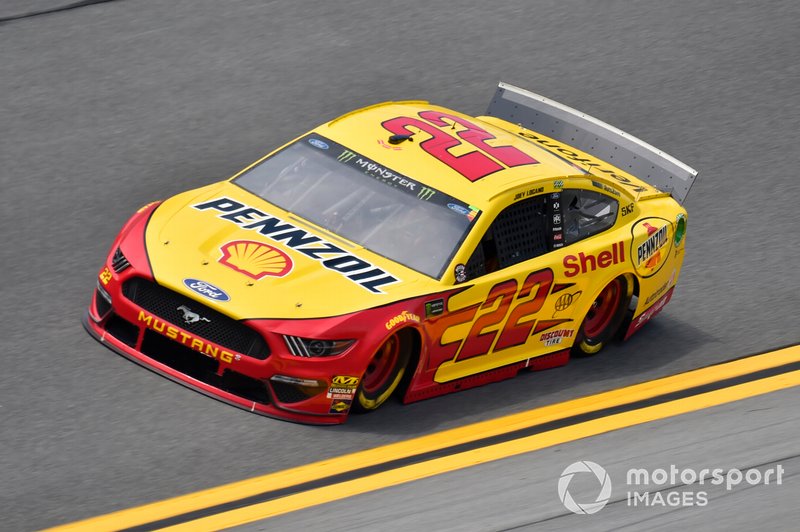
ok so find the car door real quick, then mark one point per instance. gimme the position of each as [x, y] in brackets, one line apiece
[519, 299]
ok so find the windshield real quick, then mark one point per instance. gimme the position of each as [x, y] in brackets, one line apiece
[364, 202]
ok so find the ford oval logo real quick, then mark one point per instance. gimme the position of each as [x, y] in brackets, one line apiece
[206, 289]
[318, 144]
[458, 208]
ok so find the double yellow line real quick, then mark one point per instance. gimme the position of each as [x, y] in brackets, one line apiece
[301, 487]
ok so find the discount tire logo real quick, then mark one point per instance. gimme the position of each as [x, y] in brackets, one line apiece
[569, 502]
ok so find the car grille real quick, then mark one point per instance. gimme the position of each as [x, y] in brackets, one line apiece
[202, 368]
[220, 329]
[123, 330]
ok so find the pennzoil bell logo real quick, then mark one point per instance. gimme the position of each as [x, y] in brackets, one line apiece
[649, 250]
[255, 259]
[206, 289]
[651, 245]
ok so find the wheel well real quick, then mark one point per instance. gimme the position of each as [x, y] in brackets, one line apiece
[413, 336]
[628, 278]
[617, 322]
[632, 304]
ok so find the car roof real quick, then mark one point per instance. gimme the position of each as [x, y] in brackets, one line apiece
[365, 131]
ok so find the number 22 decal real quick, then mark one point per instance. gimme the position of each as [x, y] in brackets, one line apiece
[473, 165]
[519, 306]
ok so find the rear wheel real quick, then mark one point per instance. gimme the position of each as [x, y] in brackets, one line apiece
[384, 372]
[604, 317]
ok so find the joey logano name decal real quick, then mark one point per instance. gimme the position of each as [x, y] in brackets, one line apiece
[329, 255]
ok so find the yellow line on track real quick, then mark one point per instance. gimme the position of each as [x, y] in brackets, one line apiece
[483, 455]
[282, 479]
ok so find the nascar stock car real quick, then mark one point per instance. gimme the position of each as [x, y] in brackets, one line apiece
[401, 249]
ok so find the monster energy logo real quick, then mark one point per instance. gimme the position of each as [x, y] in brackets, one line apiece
[346, 156]
[426, 193]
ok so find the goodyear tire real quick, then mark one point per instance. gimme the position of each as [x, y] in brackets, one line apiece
[384, 372]
[604, 317]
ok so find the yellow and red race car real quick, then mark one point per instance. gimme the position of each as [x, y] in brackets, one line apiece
[401, 249]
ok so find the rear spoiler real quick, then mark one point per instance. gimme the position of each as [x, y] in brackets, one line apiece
[594, 137]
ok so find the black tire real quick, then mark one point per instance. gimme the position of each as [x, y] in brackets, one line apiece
[385, 371]
[604, 317]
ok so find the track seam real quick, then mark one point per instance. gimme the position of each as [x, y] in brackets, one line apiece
[74, 5]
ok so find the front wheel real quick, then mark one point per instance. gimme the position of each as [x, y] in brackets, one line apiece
[604, 317]
[384, 372]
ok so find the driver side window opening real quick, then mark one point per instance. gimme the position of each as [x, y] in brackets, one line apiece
[517, 234]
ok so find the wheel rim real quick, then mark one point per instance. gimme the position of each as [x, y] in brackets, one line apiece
[381, 367]
[603, 310]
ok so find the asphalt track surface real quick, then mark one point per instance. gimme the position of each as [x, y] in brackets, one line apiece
[520, 493]
[107, 107]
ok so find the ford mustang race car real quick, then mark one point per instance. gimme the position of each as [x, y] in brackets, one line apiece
[402, 249]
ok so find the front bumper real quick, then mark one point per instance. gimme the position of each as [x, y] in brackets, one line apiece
[275, 384]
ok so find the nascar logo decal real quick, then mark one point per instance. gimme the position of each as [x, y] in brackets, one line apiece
[206, 289]
[328, 254]
[255, 259]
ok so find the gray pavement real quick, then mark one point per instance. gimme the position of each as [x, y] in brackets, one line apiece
[107, 107]
[521, 493]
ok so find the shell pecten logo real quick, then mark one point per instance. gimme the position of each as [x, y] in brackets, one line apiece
[255, 259]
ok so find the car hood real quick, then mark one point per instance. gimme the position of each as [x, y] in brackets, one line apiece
[266, 263]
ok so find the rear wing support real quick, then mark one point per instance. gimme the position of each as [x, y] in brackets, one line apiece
[593, 136]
